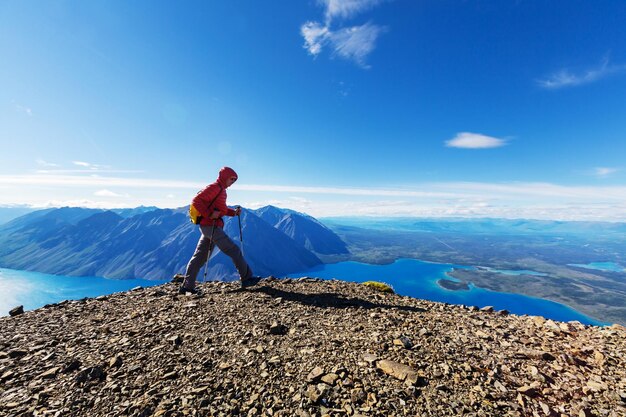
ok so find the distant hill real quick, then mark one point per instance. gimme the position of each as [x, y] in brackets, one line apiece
[153, 244]
[483, 226]
[304, 229]
[130, 212]
[12, 212]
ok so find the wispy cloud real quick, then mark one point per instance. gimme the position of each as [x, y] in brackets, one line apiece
[53, 179]
[565, 78]
[356, 43]
[23, 109]
[46, 164]
[346, 8]
[603, 172]
[82, 168]
[443, 199]
[108, 193]
[315, 36]
[469, 140]
[352, 43]
[90, 166]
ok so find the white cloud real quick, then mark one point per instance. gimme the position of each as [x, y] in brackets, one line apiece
[346, 8]
[353, 43]
[443, 199]
[23, 109]
[82, 203]
[356, 43]
[94, 181]
[82, 164]
[469, 140]
[603, 172]
[43, 163]
[108, 193]
[565, 78]
[315, 36]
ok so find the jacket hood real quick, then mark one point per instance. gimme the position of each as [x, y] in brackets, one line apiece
[226, 173]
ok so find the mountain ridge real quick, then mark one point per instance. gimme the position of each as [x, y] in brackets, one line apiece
[142, 242]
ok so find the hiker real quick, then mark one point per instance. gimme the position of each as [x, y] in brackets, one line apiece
[207, 209]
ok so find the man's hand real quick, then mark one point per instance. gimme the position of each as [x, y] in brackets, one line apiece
[237, 210]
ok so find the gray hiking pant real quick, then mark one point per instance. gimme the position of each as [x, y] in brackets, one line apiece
[201, 254]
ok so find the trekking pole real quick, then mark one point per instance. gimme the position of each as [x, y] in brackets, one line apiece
[240, 232]
[206, 266]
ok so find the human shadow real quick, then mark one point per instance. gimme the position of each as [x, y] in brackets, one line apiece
[329, 300]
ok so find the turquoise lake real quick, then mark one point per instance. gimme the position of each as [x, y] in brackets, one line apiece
[407, 276]
[419, 279]
[34, 289]
[602, 266]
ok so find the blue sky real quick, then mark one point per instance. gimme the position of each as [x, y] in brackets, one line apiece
[336, 107]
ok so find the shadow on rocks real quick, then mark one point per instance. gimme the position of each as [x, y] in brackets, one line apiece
[329, 300]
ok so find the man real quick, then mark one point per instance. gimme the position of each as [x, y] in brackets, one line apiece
[210, 206]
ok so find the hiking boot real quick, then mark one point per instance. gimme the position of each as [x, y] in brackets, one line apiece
[249, 282]
[183, 290]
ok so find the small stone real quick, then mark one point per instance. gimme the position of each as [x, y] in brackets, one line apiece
[487, 309]
[545, 408]
[316, 392]
[50, 373]
[315, 374]
[370, 358]
[597, 386]
[551, 325]
[16, 311]
[72, 366]
[358, 395]
[528, 391]
[91, 373]
[500, 386]
[585, 412]
[115, 361]
[176, 340]
[330, 379]
[171, 375]
[199, 390]
[538, 320]
[7, 375]
[598, 357]
[483, 335]
[403, 341]
[17, 353]
[398, 370]
[277, 328]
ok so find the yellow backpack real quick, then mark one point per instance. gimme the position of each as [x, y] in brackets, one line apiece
[194, 213]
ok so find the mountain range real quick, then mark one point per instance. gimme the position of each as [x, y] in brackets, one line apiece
[154, 243]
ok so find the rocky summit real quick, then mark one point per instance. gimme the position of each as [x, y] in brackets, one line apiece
[302, 347]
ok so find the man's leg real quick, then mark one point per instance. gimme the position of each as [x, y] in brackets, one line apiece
[199, 258]
[227, 246]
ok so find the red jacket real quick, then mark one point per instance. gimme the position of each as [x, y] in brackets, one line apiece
[217, 191]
